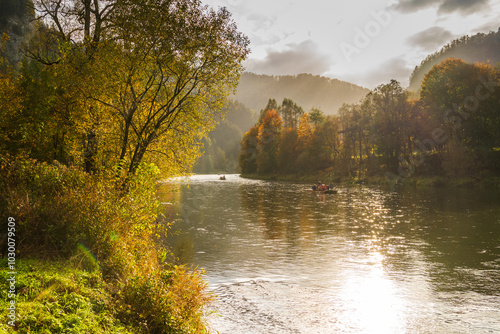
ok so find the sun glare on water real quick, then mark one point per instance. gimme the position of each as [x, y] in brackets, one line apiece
[371, 302]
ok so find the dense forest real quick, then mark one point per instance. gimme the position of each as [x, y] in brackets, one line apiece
[309, 91]
[313, 92]
[451, 130]
[478, 48]
[99, 100]
[222, 145]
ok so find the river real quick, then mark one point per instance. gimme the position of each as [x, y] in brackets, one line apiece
[284, 259]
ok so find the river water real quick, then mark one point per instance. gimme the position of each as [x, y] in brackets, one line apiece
[284, 259]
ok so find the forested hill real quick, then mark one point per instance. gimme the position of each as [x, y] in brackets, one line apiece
[478, 48]
[306, 90]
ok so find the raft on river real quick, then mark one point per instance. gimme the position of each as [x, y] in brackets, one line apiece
[324, 189]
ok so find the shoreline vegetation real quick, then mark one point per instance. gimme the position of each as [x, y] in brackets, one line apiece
[88, 256]
[104, 99]
[448, 135]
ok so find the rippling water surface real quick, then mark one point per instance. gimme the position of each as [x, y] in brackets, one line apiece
[284, 259]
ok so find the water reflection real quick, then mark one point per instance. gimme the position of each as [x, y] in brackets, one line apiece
[371, 302]
[423, 260]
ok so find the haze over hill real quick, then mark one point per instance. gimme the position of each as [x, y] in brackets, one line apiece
[478, 48]
[15, 16]
[306, 90]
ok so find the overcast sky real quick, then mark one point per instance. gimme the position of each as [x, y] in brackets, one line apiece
[366, 42]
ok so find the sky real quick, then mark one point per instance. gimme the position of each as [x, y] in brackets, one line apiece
[365, 42]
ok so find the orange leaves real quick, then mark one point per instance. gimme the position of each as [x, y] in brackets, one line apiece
[271, 126]
[305, 132]
[268, 141]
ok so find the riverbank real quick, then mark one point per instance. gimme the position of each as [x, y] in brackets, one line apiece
[62, 296]
[84, 257]
[57, 297]
[489, 182]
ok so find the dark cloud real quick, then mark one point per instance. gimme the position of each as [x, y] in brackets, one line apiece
[444, 6]
[409, 6]
[464, 6]
[297, 58]
[431, 39]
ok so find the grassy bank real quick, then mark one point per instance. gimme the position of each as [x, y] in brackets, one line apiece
[87, 254]
[59, 297]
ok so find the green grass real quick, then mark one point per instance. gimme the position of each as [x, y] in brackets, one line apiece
[56, 297]
[95, 265]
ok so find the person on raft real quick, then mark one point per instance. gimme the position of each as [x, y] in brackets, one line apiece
[322, 187]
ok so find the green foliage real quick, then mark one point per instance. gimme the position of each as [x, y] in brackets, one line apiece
[391, 114]
[316, 116]
[59, 208]
[105, 103]
[57, 298]
[110, 95]
[94, 223]
[37, 118]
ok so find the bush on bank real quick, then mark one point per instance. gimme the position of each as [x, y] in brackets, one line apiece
[95, 225]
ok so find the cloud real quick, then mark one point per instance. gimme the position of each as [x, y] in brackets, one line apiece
[395, 68]
[444, 6]
[261, 21]
[464, 6]
[295, 59]
[430, 39]
[410, 6]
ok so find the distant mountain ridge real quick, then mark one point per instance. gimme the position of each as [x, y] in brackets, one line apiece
[306, 90]
[478, 48]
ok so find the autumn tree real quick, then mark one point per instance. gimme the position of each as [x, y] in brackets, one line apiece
[248, 154]
[271, 105]
[305, 140]
[463, 100]
[268, 142]
[391, 119]
[152, 74]
[326, 144]
[288, 151]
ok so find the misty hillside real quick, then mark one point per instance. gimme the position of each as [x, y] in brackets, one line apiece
[478, 48]
[14, 21]
[222, 146]
[306, 90]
